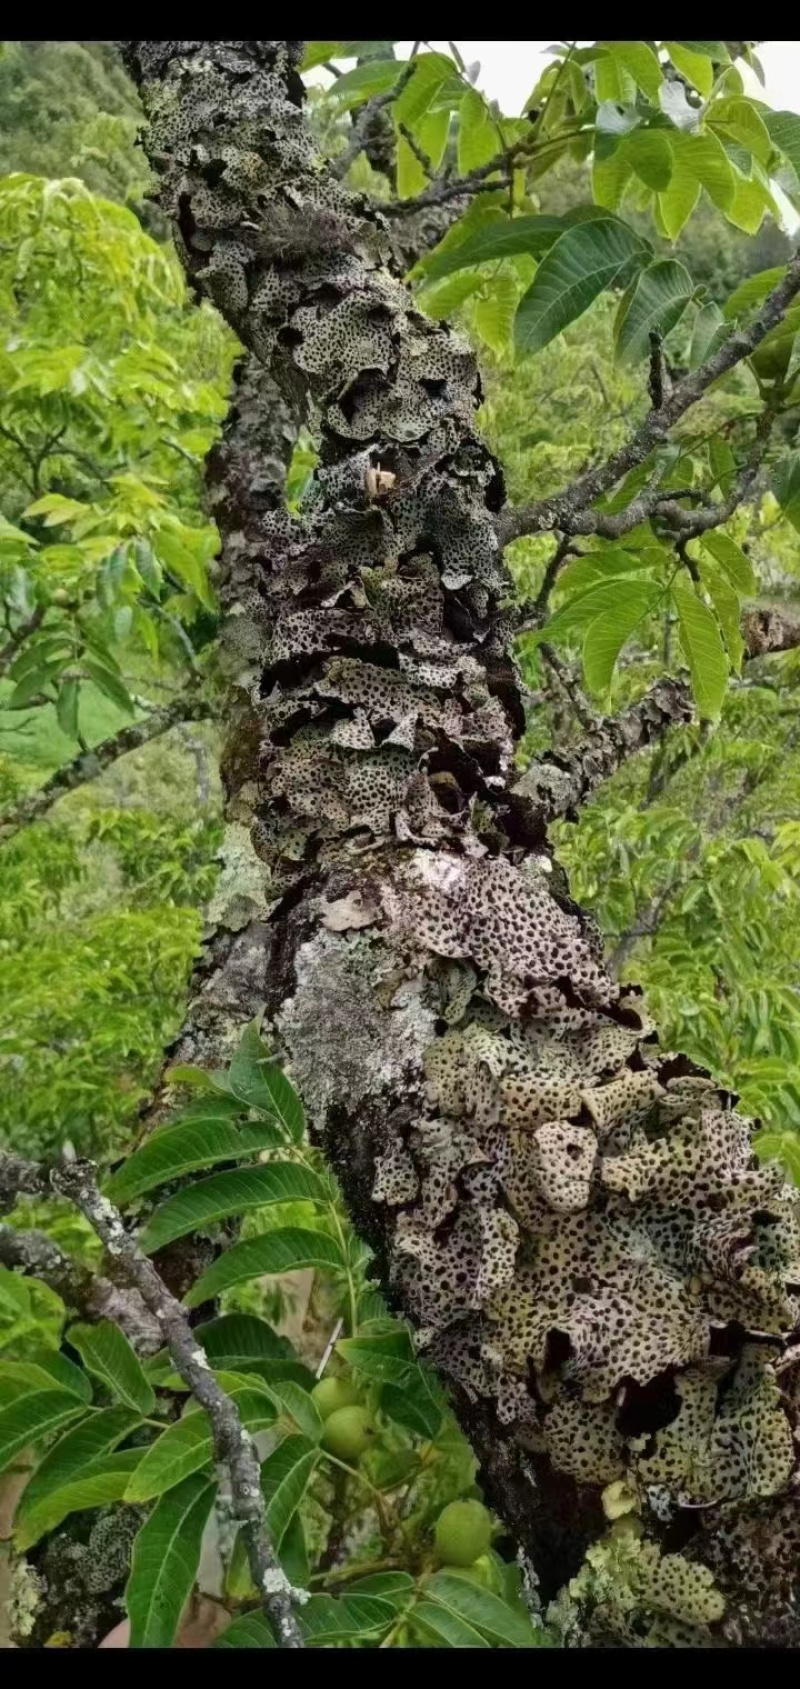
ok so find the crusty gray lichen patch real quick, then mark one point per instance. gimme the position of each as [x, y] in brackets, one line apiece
[354, 1028]
[240, 892]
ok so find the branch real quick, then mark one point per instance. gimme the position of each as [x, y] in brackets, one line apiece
[89, 765]
[366, 117]
[23, 632]
[533, 613]
[569, 686]
[655, 385]
[559, 785]
[569, 511]
[769, 630]
[92, 1295]
[477, 181]
[232, 1445]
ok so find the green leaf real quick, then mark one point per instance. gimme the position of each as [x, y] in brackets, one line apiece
[504, 238]
[255, 1078]
[48, 1369]
[705, 158]
[183, 1147]
[67, 707]
[281, 1251]
[753, 291]
[677, 202]
[36, 681]
[500, 1624]
[201, 1204]
[786, 487]
[293, 1553]
[446, 1627]
[77, 1450]
[294, 1402]
[432, 69]
[109, 684]
[585, 259]
[414, 1405]
[187, 1446]
[395, 1587]
[31, 1417]
[784, 131]
[250, 1630]
[104, 1481]
[641, 63]
[326, 1619]
[705, 654]
[605, 637]
[723, 463]
[658, 300]
[607, 595]
[727, 607]
[494, 315]
[166, 1556]
[710, 329]
[241, 1343]
[750, 206]
[477, 135]
[737, 120]
[377, 77]
[612, 80]
[732, 560]
[694, 66]
[444, 300]
[318, 53]
[387, 1356]
[285, 1476]
[611, 172]
[105, 1350]
[411, 178]
[649, 153]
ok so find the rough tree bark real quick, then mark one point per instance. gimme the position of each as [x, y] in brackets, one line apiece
[572, 1220]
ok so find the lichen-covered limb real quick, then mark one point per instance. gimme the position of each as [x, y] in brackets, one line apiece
[91, 764]
[233, 1446]
[560, 785]
[573, 1220]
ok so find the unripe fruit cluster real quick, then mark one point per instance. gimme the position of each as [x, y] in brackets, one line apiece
[349, 1426]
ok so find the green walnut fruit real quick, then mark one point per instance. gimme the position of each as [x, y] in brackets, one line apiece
[333, 1393]
[348, 1432]
[463, 1533]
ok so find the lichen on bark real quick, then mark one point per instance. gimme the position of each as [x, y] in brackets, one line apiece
[572, 1219]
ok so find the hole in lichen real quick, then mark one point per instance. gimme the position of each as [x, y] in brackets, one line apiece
[557, 1351]
[649, 1407]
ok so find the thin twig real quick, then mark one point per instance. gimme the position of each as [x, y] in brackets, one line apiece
[569, 686]
[93, 761]
[419, 152]
[232, 1444]
[360, 130]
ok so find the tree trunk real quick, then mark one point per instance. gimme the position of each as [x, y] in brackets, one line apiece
[573, 1221]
